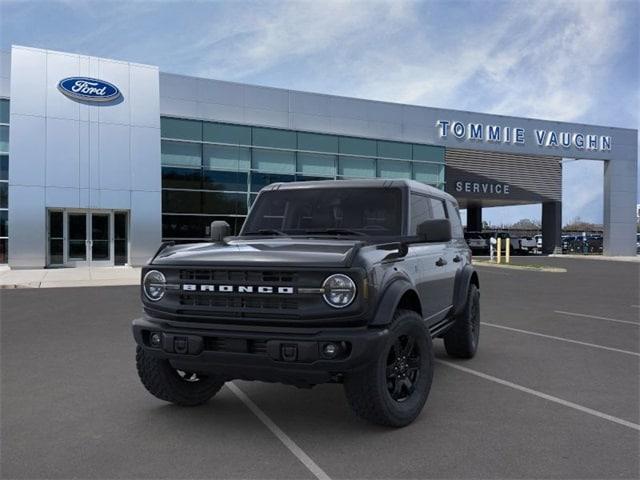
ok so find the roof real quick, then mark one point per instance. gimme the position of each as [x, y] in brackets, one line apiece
[412, 185]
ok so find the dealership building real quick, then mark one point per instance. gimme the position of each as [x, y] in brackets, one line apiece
[101, 160]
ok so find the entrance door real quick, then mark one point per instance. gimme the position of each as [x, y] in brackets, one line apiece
[77, 239]
[100, 242]
[87, 238]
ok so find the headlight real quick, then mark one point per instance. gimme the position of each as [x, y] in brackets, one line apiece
[339, 290]
[153, 285]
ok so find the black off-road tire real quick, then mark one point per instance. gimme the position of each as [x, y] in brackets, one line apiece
[371, 393]
[461, 341]
[166, 383]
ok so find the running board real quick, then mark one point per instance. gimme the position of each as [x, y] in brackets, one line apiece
[439, 328]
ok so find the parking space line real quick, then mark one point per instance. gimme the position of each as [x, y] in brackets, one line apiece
[596, 317]
[562, 339]
[545, 396]
[283, 437]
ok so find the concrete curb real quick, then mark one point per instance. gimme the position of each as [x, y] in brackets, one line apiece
[74, 284]
[635, 259]
[520, 267]
[71, 277]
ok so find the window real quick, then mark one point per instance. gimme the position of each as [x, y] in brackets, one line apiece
[226, 158]
[182, 129]
[368, 211]
[195, 227]
[190, 178]
[4, 111]
[177, 201]
[274, 161]
[456, 222]
[4, 194]
[218, 180]
[317, 143]
[181, 154]
[437, 208]
[316, 164]
[4, 232]
[394, 169]
[261, 180]
[185, 226]
[4, 223]
[215, 168]
[224, 133]
[429, 173]
[226, 203]
[4, 167]
[428, 153]
[358, 146]
[394, 150]
[420, 212]
[271, 137]
[120, 242]
[357, 167]
[4, 139]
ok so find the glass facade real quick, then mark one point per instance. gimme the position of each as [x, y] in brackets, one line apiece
[4, 180]
[212, 171]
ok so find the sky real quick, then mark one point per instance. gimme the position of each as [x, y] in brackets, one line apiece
[558, 60]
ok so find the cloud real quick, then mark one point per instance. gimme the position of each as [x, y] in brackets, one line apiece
[570, 60]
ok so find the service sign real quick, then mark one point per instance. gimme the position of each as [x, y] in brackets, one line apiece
[88, 89]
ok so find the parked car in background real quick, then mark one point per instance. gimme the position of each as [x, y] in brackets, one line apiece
[477, 242]
[582, 244]
[528, 245]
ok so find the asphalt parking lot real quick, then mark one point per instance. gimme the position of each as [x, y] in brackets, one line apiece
[552, 393]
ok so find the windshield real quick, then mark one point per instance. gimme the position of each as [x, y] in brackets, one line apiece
[327, 211]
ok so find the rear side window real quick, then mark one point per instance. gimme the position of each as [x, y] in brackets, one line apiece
[420, 211]
[437, 209]
[456, 224]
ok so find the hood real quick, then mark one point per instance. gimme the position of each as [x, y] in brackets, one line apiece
[280, 252]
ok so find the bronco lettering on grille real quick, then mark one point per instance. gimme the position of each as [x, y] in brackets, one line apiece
[264, 289]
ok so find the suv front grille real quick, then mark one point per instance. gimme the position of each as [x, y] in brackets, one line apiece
[223, 344]
[238, 305]
[241, 276]
[202, 299]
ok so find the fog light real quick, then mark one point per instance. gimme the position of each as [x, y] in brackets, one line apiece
[155, 339]
[330, 350]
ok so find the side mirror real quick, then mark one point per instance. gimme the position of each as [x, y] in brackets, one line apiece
[434, 230]
[219, 230]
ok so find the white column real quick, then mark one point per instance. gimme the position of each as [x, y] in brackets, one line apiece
[620, 199]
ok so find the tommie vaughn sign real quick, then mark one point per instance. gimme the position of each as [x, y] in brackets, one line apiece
[88, 89]
[478, 132]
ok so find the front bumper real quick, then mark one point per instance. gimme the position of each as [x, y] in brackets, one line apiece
[292, 356]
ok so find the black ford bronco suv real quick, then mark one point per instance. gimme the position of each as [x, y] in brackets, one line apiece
[342, 281]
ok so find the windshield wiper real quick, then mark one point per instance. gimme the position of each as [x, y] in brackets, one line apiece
[267, 231]
[335, 231]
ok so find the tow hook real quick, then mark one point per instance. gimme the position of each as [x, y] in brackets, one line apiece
[289, 352]
[180, 344]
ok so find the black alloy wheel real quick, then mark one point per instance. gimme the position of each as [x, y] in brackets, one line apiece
[393, 387]
[403, 368]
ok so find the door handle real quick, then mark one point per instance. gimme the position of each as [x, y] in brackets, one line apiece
[441, 262]
[457, 258]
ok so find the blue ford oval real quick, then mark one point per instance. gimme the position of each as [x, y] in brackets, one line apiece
[89, 89]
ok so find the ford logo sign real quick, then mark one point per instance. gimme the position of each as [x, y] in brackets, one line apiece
[89, 89]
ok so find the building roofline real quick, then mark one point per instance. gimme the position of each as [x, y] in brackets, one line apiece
[400, 104]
